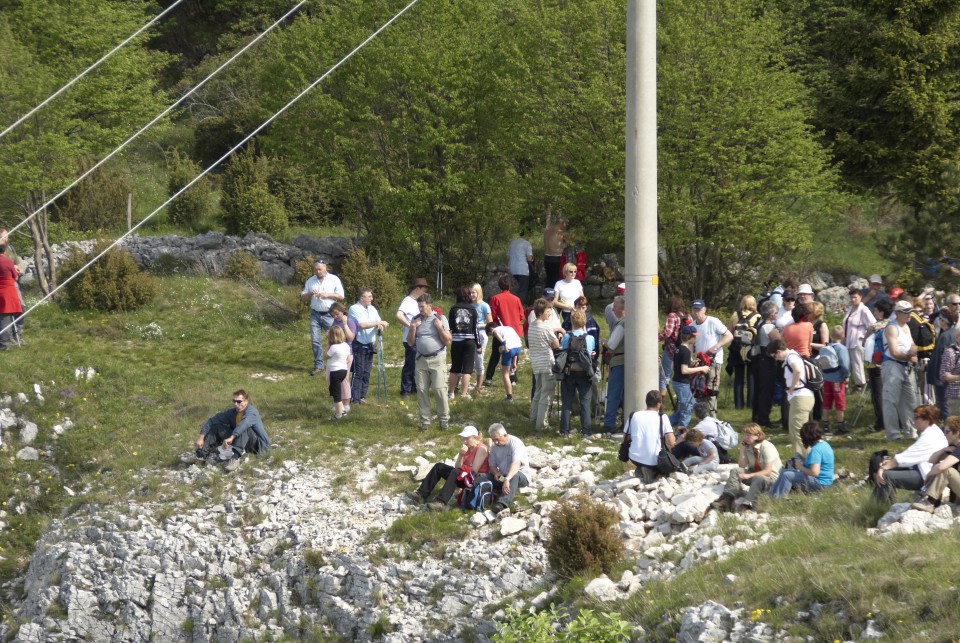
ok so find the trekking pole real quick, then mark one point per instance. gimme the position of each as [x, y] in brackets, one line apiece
[670, 393]
[381, 371]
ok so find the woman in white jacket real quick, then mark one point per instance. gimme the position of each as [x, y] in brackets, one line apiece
[907, 469]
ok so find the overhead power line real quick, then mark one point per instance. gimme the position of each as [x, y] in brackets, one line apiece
[220, 160]
[157, 118]
[89, 69]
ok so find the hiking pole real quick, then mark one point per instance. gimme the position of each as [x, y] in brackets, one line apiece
[670, 393]
[381, 371]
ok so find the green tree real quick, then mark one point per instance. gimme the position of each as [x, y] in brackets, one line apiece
[742, 175]
[43, 43]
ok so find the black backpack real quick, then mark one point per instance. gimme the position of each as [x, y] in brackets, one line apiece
[575, 358]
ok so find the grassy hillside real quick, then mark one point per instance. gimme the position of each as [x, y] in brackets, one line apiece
[163, 370]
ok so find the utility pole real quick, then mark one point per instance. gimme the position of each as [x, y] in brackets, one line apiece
[640, 192]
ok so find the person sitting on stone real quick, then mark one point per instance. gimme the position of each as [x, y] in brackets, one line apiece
[759, 467]
[706, 425]
[909, 469]
[239, 428]
[944, 473]
[645, 430]
[815, 472]
[470, 463]
[509, 466]
[707, 457]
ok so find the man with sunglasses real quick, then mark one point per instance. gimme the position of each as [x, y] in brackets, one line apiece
[239, 427]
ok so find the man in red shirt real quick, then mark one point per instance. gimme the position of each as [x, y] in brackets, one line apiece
[507, 310]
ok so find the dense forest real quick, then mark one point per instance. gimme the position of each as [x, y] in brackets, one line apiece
[466, 121]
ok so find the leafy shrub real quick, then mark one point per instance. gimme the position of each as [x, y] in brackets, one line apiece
[303, 200]
[243, 265]
[302, 270]
[256, 210]
[99, 202]
[583, 538]
[114, 283]
[555, 625]
[192, 206]
[245, 171]
[358, 271]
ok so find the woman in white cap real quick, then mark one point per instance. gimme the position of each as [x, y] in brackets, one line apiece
[470, 462]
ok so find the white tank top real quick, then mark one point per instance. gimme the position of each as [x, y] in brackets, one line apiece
[904, 342]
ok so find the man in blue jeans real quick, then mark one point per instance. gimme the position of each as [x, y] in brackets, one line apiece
[369, 325]
[322, 290]
[615, 375]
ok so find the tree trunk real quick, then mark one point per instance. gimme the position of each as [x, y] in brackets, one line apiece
[39, 222]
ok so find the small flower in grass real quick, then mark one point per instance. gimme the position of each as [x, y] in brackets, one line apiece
[135, 453]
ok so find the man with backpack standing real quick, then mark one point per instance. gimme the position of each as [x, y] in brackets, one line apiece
[712, 336]
[579, 347]
[855, 323]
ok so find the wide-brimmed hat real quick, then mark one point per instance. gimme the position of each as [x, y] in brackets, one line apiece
[419, 282]
[805, 289]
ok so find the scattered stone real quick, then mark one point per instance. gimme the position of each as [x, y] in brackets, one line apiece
[28, 432]
[28, 453]
[602, 589]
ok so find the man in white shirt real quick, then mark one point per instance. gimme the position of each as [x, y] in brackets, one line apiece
[644, 429]
[520, 256]
[322, 290]
[369, 325]
[409, 308]
[712, 336]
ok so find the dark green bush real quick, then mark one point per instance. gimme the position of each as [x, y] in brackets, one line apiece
[192, 206]
[583, 538]
[303, 200]
[114, 283]
[99, 202]
[243, 265]
[256, 210]
[359, 271]
[245, 170]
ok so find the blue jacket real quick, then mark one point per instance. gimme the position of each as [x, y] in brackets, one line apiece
[250, 420]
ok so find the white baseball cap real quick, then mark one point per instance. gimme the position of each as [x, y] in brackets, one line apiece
[469, 431]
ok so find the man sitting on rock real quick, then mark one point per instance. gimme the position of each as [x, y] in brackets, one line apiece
[239, 428]
[509, 466]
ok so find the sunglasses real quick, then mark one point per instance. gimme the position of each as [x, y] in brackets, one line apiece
[238, 401]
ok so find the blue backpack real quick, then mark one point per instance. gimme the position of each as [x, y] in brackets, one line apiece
[479, 496]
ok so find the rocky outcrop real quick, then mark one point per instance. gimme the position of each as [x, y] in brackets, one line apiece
[901, 519]
[281, 553]
[211, 251]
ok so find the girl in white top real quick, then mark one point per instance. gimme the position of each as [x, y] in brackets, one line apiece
[568, 289]
[800, 399]
[338, 365]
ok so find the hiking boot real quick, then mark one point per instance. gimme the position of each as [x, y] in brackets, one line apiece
[444, 426]
[436, 505]
[414, 497]
[232, 464]
[841, 427]
[510, 399]
[826, 426]
[744, 508]
[498, 507]
[192, 458]
[450, 395]
[487, 384]
[315, 372]
[925, 504]
[723, 503]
